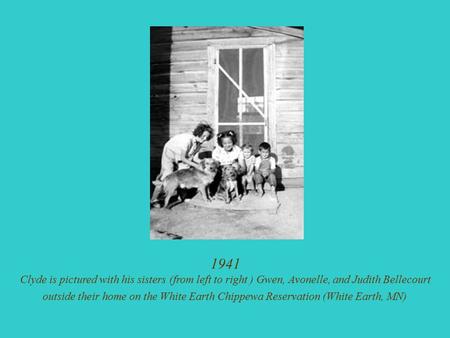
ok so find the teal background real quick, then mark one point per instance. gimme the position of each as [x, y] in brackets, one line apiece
[74, 142]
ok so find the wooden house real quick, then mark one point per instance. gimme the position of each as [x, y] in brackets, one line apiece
[249, 79]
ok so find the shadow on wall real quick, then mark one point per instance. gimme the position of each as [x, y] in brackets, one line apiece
[288, 159]
[278, 173]
[160, 52]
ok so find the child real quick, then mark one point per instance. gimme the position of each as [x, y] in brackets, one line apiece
[265, 169]
[227, 151]
[179, 151]
[249, 159]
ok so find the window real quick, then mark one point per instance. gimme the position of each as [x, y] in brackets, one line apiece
[241, 90]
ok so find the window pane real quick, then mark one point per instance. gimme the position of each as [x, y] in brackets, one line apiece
[229, 60]
[250, 114]
[226, 128]
[253, 135]
[228, 93]
[253, 71]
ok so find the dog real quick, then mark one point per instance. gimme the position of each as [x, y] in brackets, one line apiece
[188, 179]
[228, 183]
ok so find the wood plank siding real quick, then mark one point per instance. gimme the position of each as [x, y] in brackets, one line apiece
[290, 106]
[179, 87]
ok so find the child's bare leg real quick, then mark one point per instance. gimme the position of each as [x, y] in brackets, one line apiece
[244, 184]
[273, 184]
[259, 190]
[251, 183]
[259, 181]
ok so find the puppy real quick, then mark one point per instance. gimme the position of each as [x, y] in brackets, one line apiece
[228, 183]
[190, 178]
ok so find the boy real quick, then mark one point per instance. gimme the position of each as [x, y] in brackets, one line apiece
[249, 158]
[265, 170]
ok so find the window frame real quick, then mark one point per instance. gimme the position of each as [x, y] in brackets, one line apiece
[268, 46]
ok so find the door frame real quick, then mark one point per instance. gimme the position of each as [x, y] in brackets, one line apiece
[268, 46]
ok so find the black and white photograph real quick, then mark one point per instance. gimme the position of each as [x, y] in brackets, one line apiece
[227, 132]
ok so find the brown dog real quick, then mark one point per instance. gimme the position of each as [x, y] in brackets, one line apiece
[190, 178]
[228, 183]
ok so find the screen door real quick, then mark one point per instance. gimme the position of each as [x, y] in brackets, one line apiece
[242, 99]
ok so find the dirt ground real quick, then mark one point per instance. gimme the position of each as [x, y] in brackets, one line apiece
[185, 221]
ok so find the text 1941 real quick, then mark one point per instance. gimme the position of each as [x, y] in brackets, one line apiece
[223, 263]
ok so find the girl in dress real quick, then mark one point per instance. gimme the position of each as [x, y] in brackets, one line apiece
[179, 153]
[227, 152]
